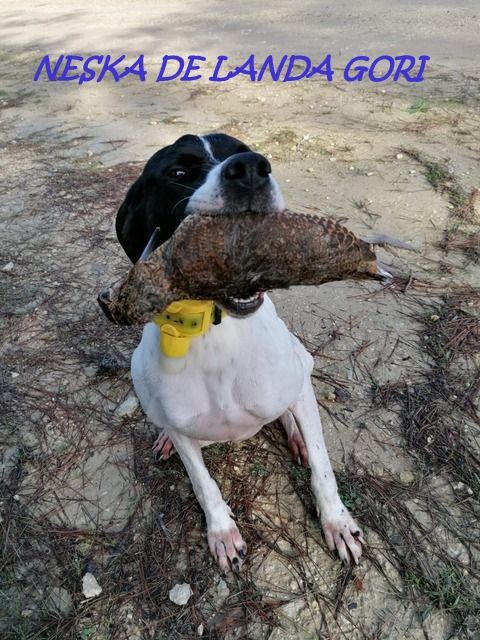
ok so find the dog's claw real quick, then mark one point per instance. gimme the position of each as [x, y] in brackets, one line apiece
[296, 443]
[343, 534]
[163, 447]
[228, 548]
[236, 565]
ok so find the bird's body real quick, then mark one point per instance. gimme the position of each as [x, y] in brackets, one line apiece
[216, 257]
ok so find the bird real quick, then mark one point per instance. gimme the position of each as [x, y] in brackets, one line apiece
[235, 257]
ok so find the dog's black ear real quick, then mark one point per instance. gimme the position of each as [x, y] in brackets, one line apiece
[130, 224]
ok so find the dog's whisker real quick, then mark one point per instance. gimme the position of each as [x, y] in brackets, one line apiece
[180, 202]
[184, 186]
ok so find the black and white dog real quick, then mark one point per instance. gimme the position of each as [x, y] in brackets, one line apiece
[245, 372]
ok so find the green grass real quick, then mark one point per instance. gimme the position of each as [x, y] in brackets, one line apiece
[300, 473]
[349, 496]
[419, 106]
[436, 176]
[258, 470]
[446, 590]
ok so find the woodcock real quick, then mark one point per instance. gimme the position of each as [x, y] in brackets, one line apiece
[229, 256]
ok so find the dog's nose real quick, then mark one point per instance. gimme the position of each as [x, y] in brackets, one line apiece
[248, 171]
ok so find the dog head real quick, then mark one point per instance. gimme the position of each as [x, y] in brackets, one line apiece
[215, 173]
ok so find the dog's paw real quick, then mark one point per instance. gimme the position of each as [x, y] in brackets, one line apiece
[227, 547]
[343, 534]
[163, 446]
[297, 447]
[296, 443]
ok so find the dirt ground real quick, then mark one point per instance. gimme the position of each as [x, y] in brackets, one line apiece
[397, 367]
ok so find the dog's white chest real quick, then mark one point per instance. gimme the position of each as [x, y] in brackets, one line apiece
[241, 375]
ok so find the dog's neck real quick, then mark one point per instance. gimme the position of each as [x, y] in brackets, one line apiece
[183, 320]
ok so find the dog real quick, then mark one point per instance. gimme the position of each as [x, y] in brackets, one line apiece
[248, 369]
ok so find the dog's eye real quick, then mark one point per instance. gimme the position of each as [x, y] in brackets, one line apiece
[176, 172]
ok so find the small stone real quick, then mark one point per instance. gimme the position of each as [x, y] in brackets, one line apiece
[14, 374]
[399, 156]
[108, 364]
[369, 173]
[222, 589]
[8, 461]
[90, 586]
[89, 153]
[180, 594]
[8, 267]
[59, 601]
[342, 395]
[407, 477]
[377, 469]
[200, 630]
[434, 317]
[128, 407]
[153, 123]
[330, 395]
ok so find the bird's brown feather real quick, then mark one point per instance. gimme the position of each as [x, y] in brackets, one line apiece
[213, 256]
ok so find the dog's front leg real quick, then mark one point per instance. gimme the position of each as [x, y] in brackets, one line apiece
[224, 539]
[340, 529]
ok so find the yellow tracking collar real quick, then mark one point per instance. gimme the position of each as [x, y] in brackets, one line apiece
[183, 320]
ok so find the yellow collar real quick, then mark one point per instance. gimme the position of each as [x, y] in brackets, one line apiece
[183, 320]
